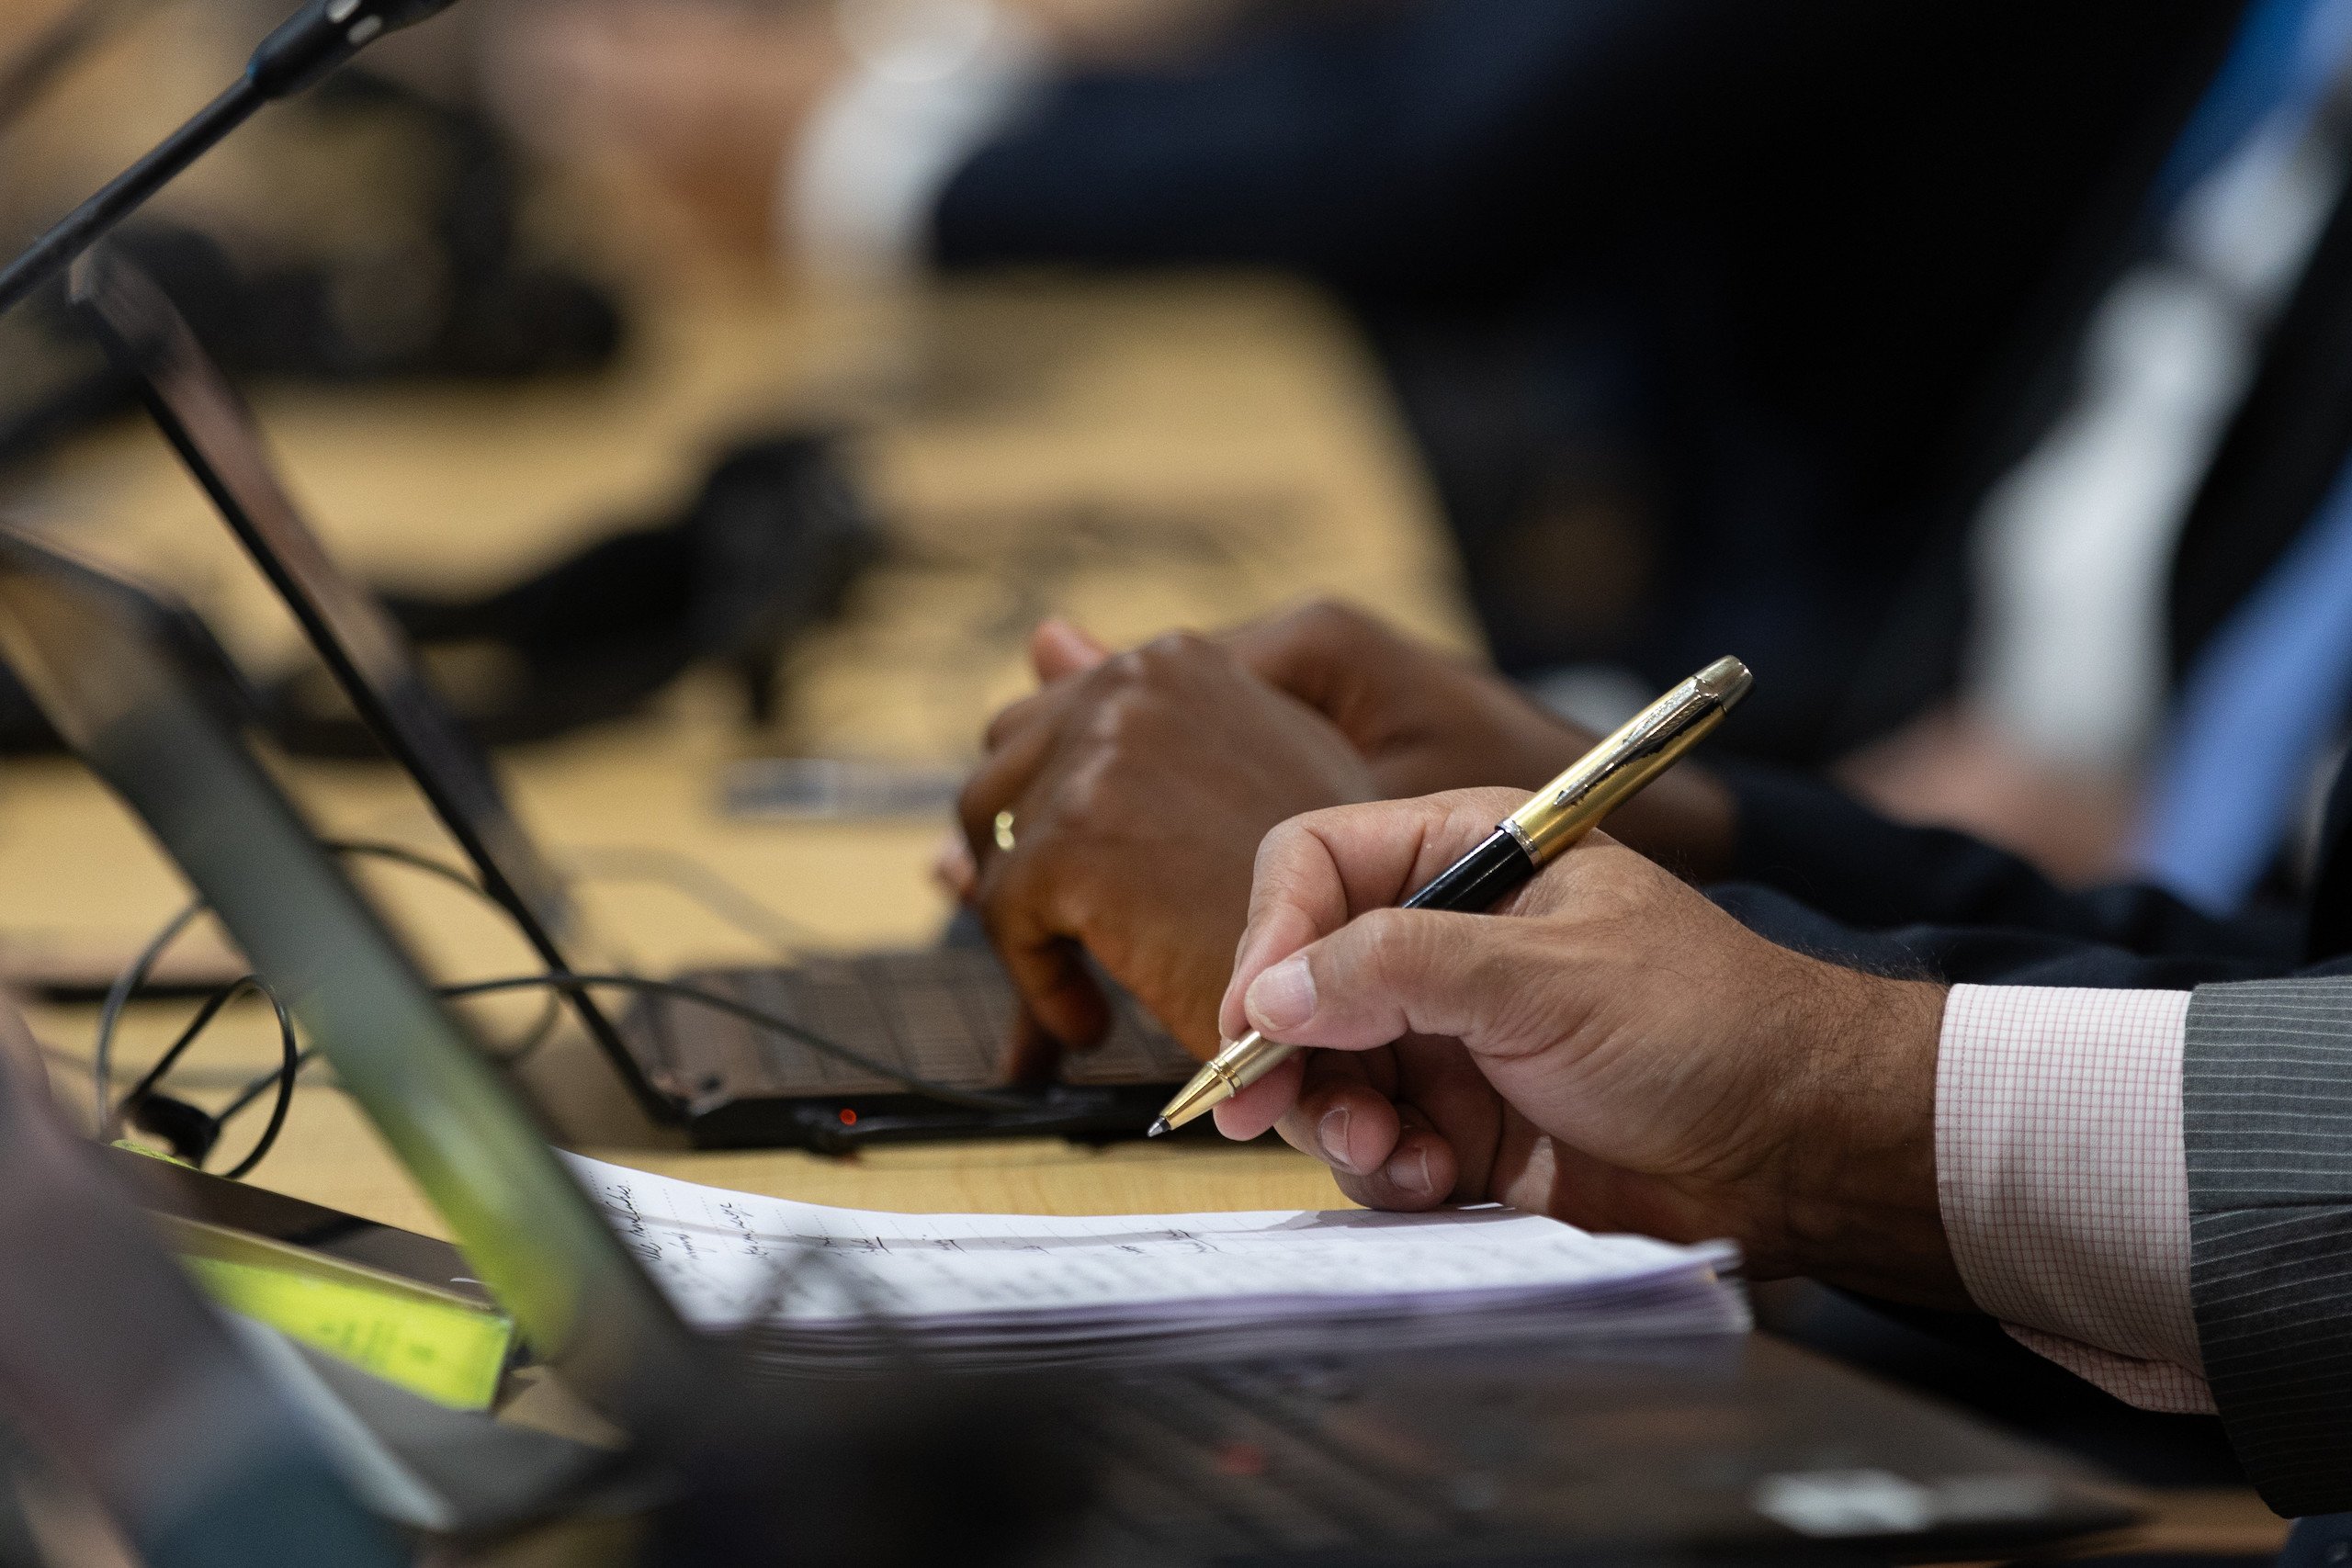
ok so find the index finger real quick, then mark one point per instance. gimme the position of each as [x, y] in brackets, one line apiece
[1318, 872]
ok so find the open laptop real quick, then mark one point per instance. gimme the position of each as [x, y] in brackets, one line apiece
[115, 1374]
[943, 1014]
[1713, 1450]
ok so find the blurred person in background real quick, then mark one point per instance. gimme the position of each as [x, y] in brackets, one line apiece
[2153, 676]
[1700, 309]
[1945, 349]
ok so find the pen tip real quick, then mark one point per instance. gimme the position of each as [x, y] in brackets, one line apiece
[1159, 1125]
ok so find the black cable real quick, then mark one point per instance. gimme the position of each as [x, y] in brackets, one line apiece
[132, 979]
[288, 1069]
[554, 981]
[399, 854]
[287, 1072]
[246, 1095]
[178, 1048]
[557, 981]
[973, 1100]
[296, 1060]
[508, 1054]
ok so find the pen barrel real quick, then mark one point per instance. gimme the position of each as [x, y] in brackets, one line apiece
[1256, 1063]
[1645, 746]
[1481, 879]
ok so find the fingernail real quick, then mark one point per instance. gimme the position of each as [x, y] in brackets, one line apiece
[1284, 997]
[1333, 1131]
[1410, 1172]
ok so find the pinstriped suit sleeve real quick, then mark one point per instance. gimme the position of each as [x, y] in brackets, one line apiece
[2266, 1122]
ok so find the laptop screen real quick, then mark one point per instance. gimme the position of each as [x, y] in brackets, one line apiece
[92, 649]
[214, 433]
[111, 1363]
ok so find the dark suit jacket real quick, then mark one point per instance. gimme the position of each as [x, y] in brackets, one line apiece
[1818, 871]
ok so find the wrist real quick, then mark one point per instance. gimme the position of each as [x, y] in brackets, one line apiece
[1858, 1202]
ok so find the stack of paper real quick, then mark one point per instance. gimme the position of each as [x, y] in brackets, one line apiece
[817, 1288]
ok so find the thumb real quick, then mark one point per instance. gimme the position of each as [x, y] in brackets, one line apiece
[1389, 974]
[1057, 648]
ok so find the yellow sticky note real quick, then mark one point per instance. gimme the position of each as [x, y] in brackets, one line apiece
[446, 1353]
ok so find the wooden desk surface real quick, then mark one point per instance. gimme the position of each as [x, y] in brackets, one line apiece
[1140, 456]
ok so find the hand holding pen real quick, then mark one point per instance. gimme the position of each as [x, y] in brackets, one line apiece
[1557, 816]
[1618, 1052]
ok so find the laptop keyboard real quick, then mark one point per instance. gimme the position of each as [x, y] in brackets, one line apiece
[945, 1014]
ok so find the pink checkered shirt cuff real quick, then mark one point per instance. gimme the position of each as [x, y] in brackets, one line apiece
[2064, 1185]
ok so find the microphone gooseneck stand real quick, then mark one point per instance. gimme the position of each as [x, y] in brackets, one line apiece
[313, 41]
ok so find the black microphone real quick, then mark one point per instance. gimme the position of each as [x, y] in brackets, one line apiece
[313, 41]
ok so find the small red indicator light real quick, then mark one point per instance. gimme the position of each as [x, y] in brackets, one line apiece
[849, 1117]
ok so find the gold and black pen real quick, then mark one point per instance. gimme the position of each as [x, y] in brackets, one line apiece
[1560, 813]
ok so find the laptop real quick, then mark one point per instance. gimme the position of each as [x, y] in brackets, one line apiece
[1712, 1449]
[122, 1391]
[941, 1014]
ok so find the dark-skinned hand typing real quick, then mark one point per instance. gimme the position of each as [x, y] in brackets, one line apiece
[1141, 783]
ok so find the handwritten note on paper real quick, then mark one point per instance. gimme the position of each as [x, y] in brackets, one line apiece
[1032, 1286]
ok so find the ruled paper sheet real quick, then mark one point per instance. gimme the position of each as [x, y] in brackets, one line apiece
[1038, 1286]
